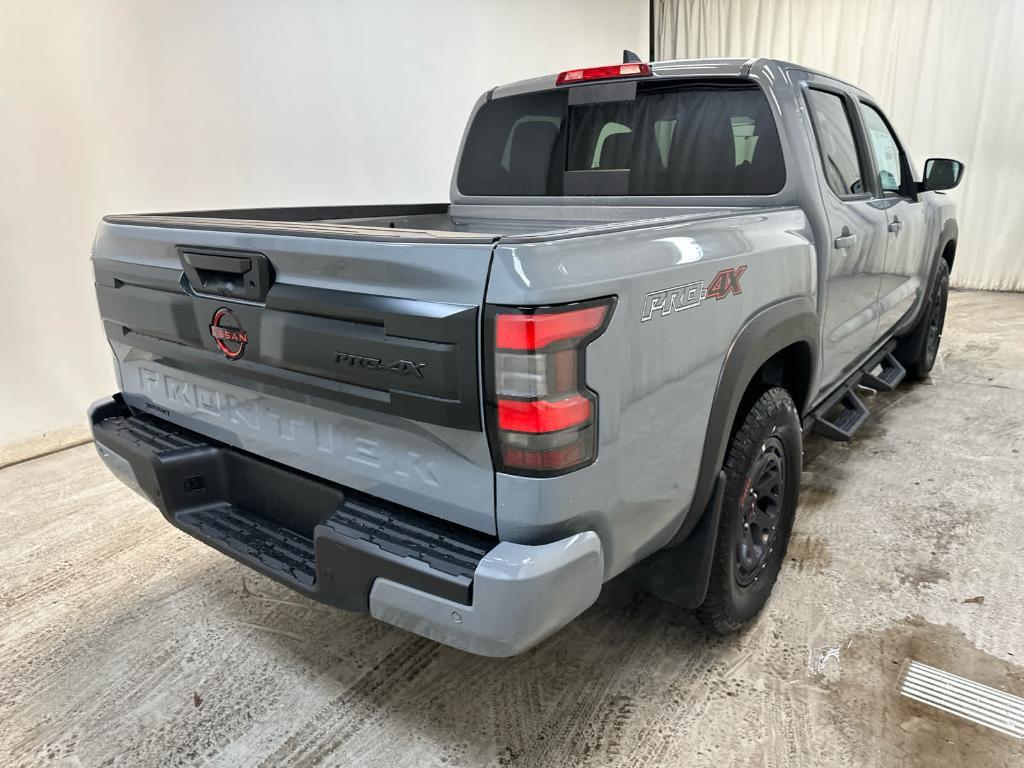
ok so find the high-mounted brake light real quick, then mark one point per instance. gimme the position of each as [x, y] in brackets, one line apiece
[542, 418]
[632, 69]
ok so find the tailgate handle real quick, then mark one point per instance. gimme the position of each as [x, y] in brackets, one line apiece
[208, 262]
[229, 274]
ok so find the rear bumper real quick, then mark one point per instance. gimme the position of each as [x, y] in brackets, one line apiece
[353, 551]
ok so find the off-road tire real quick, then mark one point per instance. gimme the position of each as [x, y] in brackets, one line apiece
[919, 349]
[769, 433]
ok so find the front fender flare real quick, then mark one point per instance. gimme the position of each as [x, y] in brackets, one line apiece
[949, 234]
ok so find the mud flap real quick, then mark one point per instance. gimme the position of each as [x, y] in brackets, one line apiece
[680, 574]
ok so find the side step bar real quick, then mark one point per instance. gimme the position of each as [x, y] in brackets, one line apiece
[843, 413]
[890, 373]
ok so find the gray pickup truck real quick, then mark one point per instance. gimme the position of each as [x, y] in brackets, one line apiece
[651, 282]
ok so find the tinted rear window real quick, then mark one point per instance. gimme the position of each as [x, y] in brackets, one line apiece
[672, 140]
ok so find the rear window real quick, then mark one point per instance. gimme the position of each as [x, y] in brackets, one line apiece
[669, 140]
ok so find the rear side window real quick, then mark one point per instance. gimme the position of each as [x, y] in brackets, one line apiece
[839, 155]
[669, 140]
[514, 145]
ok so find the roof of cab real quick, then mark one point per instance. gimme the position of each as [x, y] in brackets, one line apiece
[735, 67]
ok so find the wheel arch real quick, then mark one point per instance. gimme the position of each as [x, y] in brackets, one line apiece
[777, 346]
[949, 252]
[945, 246]
[790, 368]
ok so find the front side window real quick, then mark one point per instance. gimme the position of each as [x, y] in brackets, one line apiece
[839, 156]
[884, 148]
[670, 140]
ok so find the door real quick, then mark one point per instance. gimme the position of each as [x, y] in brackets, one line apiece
[857, 235]
[904, 271]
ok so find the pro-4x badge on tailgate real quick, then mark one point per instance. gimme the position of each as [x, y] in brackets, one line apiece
[228, 333]
[398, 367]
[689, 295]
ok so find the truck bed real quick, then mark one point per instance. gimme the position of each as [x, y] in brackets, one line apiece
[429, 222]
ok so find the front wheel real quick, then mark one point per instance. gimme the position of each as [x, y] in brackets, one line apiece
[919, 350]
[762, 471]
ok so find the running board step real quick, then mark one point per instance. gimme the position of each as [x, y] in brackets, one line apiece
[844, 412]
[843, 416]
[889, 375]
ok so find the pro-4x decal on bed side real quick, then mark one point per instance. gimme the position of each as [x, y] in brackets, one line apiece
[689, 295]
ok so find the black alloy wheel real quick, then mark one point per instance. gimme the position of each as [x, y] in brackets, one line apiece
[759, 500]
[760, 511]
[936, 319]
[919, 349]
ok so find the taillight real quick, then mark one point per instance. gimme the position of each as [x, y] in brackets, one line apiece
[631, 69]
[542, 418]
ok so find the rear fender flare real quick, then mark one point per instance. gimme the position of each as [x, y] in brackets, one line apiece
[768, 332]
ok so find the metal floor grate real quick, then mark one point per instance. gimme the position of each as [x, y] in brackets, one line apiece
[965, 698]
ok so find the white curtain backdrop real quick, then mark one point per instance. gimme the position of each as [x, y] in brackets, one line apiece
[949, 73]
[113, 106]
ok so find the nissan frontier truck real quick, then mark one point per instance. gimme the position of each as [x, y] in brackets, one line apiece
[650, 283]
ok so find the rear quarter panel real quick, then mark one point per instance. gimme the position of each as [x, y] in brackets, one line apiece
[656, 378]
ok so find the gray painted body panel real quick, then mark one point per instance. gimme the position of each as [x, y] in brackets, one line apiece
[656, 379]
[910, 254]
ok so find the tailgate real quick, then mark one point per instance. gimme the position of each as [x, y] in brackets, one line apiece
[352, 360]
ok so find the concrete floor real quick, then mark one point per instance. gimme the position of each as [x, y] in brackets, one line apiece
[124, 642]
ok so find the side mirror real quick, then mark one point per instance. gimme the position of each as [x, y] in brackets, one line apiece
[941, 173]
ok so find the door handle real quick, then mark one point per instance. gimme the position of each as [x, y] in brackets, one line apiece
[845, 240]
[895, 225]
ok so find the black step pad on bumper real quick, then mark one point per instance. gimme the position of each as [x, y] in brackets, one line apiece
[276, 548]
[324, 540]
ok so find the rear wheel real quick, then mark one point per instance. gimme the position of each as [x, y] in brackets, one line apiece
[762, 469]
[920, 348]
